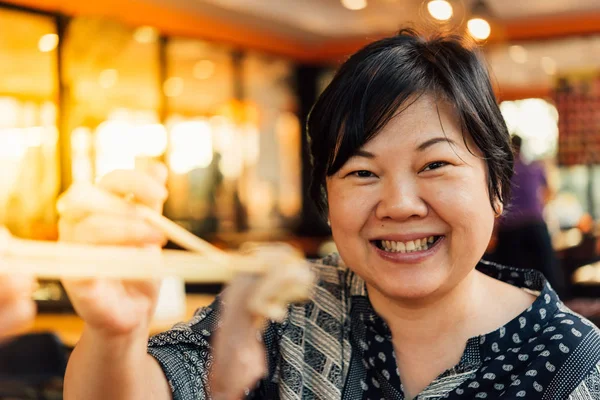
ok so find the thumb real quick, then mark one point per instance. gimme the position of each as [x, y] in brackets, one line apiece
[156, 170]
[153, 168]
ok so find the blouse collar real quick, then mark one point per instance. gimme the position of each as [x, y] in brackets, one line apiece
[509, 337]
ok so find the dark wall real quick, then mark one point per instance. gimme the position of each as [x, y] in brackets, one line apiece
[311, 223]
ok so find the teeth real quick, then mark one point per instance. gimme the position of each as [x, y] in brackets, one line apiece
[410, 246]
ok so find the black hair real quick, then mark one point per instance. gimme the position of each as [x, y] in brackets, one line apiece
[370, 88]
[516, 142]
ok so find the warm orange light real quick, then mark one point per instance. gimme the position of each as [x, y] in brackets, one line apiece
[354, 5]
[48, 42]
[440, 9]
[479, 28]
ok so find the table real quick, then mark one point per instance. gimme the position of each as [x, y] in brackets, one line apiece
[69, 327]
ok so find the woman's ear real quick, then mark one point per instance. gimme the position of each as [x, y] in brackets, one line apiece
[498, 208]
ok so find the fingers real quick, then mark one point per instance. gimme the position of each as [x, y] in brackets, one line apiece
[99, 214]
[237, 351]
[281, 286]
[289, 279]
[16, 316]
[106, 196]
[158, 171]
[17, 309]
[147, 189]
[15, 287]
[111, 308]
[83, 199]
[107, 229]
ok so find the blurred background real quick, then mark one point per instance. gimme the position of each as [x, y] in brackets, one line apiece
[219, 90]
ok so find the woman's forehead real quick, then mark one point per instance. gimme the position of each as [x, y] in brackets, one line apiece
[424, 119]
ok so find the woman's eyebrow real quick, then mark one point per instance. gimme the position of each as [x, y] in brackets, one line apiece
[363, 153]
[428, 143]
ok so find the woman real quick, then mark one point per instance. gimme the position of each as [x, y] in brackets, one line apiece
[411, 164]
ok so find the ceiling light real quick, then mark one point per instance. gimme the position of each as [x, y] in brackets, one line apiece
[478, 24]
[479, 28]
[518, 54]
[440, 9]
[48, 42]
[354, 4]
[145, 34]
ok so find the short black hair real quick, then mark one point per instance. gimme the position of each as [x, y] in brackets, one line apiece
[517, 143]
[373, 84]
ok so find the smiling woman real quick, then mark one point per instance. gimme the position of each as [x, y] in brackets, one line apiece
[412, 163]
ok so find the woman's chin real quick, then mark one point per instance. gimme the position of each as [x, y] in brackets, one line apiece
[409, 290]
[409, 294]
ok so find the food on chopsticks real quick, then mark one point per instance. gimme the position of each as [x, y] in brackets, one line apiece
[281, 272]
[289, 276]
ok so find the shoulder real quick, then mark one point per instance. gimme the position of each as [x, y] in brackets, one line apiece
[573, 335]
[331, 274]
[580, 328]
[329, 291]
[572, 349]
[197, 330]
[566, 353]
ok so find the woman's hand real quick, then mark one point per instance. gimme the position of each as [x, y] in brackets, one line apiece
[240, 358]
[94, 215]
[17, 309]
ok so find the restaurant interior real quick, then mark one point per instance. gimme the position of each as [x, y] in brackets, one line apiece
[219, 91]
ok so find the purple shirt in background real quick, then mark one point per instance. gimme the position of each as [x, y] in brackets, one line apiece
[526, 204]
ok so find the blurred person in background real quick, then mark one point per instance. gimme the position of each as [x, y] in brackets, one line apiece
[411, 164]
[523, 239]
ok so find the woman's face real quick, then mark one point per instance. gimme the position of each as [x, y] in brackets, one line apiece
[410, 213]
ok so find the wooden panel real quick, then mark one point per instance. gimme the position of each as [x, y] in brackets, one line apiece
[552, 27]
[520, 93]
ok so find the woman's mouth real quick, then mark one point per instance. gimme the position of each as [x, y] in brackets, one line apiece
[410, 246]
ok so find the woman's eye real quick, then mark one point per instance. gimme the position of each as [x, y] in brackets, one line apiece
[363, 174]
[435, 165]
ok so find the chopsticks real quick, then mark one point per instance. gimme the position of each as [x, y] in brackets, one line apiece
[53, 260]
[179, 235]
[202, 263]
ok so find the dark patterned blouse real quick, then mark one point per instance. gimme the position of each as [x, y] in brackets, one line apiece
[337, 347]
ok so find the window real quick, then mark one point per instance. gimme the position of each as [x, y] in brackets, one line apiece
[29, 182]
[113, 96]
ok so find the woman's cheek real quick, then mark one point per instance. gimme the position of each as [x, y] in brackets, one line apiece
[466, 210]
[350, 205]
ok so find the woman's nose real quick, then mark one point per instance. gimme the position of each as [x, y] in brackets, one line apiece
[401, 201]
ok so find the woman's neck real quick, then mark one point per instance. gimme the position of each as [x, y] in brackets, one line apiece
[423, 320]
[429, 336]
